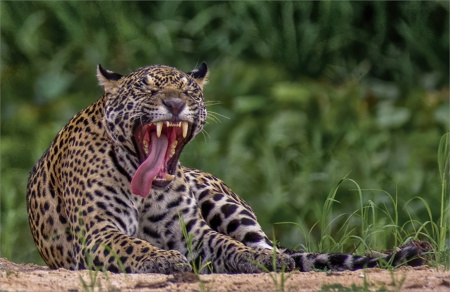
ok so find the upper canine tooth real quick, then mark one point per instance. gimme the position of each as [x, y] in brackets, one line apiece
[159, 126]
[185, 126]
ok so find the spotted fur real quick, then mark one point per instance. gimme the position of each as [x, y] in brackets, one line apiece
[83, 213]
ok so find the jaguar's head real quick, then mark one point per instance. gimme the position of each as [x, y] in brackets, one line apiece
[153, 113]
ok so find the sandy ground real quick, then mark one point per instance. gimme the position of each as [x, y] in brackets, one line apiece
[29, 277]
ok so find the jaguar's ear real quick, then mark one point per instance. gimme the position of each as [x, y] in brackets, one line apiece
[200, 74]
[107, 79]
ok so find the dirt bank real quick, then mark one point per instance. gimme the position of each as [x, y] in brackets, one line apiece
[29, 277]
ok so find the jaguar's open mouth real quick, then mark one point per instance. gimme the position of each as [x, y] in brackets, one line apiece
[159, 145]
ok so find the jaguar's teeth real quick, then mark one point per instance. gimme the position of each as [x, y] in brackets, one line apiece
[172, 148]
[145, 143]
[185, 126]
[169, 124]
[169, 177]
[159, 126]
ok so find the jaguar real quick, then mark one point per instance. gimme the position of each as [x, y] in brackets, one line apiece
[110, 193]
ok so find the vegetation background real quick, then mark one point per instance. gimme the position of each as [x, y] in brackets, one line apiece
[301, 95]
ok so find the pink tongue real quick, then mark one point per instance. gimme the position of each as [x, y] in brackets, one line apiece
[141, 183]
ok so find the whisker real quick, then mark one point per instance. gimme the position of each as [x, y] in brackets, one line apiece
[212, 102]
[205, 134]
[220, 115]
[215, 116]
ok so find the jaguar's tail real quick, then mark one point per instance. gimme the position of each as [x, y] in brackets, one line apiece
[411, 254]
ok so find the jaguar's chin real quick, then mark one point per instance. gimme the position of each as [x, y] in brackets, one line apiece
[159, 145]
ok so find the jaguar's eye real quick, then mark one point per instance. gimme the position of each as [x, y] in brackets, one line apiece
[151, 92]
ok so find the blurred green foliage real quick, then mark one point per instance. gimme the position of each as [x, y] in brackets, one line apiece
[301, 94]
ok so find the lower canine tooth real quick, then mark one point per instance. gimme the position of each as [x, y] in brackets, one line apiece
[169, 177]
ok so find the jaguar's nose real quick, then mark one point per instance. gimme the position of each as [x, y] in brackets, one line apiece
[174, 105]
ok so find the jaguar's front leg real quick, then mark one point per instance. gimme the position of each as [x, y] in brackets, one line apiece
[218, 253]
[172, 220]
[112, 250]
[101, 240]
[225, 212]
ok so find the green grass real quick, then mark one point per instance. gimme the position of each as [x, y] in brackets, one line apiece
[376, 226]
[278, 275]
[197, 268]
[93, 283]
[444, 170]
